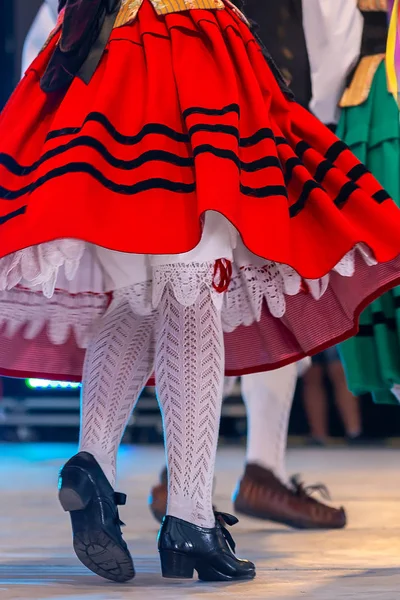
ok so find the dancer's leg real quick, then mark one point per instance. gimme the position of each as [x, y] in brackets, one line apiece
[265, 490]
[268, 398]
[118, 364]
[190, 377]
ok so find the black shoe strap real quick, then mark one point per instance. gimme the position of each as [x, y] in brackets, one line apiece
[120, 499]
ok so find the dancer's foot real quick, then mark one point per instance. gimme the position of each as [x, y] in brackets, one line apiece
[159, 497]
[262, 495]
[185, 548]
[86, 493]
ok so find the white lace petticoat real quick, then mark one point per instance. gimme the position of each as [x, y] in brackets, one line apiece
[71, 268]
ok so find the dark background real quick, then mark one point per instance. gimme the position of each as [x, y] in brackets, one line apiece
[16, 17]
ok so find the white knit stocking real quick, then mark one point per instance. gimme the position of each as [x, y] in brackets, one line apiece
[189, 377]
[118, 364]
[268, 398]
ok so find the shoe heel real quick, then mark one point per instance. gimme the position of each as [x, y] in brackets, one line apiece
[75, 489]
[176, 566]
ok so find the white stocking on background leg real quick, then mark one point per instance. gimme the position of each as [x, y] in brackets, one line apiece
[189, 377]
[118, 364]
[268, 398]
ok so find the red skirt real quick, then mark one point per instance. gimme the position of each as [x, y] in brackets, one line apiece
[184, 116]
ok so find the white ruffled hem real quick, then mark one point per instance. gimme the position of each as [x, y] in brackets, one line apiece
[252, 285]
[40, 268]
[185, 280]
[63, 316]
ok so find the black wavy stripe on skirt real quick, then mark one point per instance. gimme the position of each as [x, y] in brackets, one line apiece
[182, 186]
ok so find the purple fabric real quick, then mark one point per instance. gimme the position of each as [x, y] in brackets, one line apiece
[397, 46]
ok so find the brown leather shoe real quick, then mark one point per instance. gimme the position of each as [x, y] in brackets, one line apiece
[159, 497]
[262, 495]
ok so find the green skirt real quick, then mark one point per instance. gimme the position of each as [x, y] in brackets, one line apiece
[372, 358]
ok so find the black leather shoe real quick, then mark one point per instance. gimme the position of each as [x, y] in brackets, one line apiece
[85, 492]
[185, 548]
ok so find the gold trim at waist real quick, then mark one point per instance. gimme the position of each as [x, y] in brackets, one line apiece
[130, 8]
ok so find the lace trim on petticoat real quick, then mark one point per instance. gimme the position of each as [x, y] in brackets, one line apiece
[138, 296]
[186, 281]
[64, 314]
[38, 266]
[251, 285]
